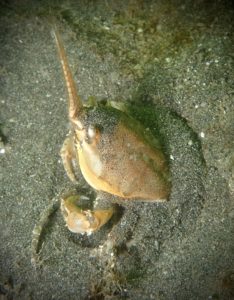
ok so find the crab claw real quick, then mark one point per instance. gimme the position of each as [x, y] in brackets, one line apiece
[83, 221]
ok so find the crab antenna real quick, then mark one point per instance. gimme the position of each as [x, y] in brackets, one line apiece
[74, 101]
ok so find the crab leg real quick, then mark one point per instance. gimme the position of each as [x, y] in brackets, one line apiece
[68, 156]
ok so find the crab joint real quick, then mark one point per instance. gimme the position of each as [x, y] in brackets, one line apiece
[83, 221]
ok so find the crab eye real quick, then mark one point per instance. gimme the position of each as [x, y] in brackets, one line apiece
[93, 134]
[92, 131]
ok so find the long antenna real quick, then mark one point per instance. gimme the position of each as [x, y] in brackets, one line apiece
[74, 101]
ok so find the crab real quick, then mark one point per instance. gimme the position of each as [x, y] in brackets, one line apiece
[115, 153]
